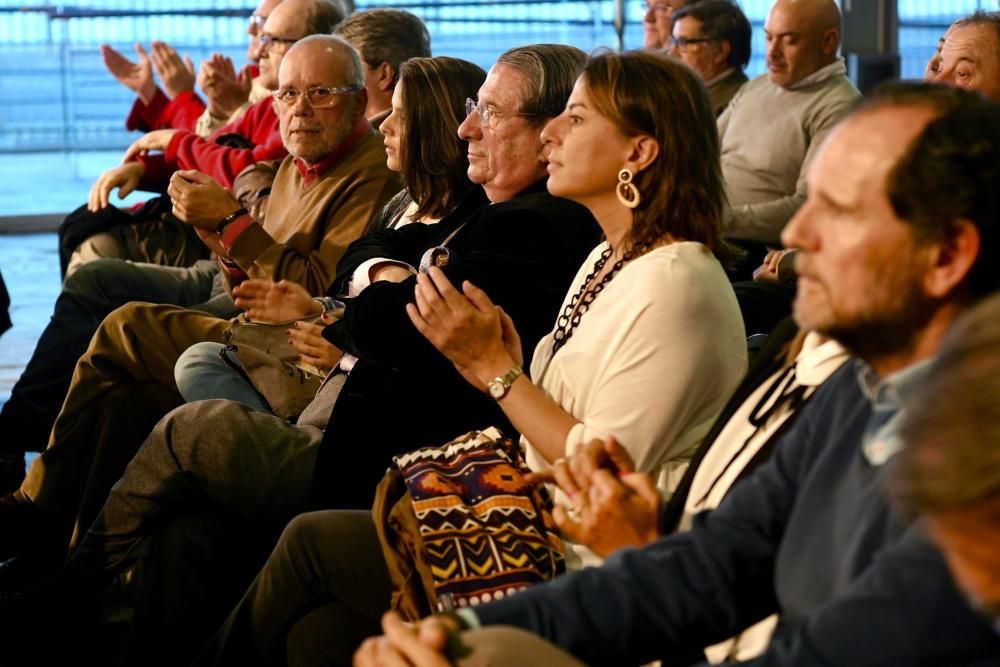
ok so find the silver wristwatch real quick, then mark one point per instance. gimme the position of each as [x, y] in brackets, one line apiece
[500, 385]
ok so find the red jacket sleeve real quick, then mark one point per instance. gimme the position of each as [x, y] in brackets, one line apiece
[180, 113]
[259, 125]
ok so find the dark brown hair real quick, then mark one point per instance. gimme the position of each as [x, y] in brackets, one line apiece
[386, 36]
[722, 20]
[434, 160]
[682, 191]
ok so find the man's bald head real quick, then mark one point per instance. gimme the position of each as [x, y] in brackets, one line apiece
[802, 37]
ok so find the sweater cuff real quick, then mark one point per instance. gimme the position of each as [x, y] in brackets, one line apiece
[173, 148]
[234, 230]
[147, 117]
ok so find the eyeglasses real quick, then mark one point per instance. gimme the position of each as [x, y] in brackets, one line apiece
[266, 41]
[318, 96]
[681, 43]
[256, 23]
[656, 7]
[489, 117]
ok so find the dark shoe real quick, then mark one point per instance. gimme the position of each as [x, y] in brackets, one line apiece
[26, 529]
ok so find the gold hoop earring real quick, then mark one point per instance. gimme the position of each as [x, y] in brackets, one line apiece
[626, 191]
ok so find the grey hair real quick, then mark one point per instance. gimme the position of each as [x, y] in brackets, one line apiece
[551, 71]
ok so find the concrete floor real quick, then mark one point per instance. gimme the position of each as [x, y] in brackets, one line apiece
[30, 267]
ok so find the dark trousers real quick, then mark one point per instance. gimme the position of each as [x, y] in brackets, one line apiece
[87, 297]
[321, 593]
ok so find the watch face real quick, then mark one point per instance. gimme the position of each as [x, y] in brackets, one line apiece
[497, 389]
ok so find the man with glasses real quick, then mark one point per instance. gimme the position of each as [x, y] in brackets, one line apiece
[97, 288]
[712, 37]
[524, 249]
[773, 127]
[657, 21]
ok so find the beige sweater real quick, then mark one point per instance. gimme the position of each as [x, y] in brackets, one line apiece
[307, 229]
[769, 137]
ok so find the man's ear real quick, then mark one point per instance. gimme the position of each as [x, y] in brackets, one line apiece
[645, 149]
[361, 100]
[384, 77]
[722, 53]
[952, 258]
[831, 41]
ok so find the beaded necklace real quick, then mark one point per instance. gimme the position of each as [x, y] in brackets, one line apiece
[581, 301]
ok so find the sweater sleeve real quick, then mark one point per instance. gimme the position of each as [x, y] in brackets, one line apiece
[681, 593]
[765, 221]
[162, 112]
[904, 611]
[261, 256]
[189, 151]
[182, 112]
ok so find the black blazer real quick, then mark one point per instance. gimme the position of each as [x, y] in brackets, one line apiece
[403, 394]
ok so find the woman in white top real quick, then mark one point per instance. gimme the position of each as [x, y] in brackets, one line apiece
[650, 343]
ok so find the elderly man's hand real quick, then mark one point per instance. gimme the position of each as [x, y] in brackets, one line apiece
[313, 349]
[266, 301]
[225, 90]
[198, 200]
[137, 77]
[125, 177]
[177, 75]
[770, 270]
[466, 327]
[157, 140]
[405, 645]
[573, 474]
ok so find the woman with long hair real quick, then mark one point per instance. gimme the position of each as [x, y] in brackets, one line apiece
[422, 144]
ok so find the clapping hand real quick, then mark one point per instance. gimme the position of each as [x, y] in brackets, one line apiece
[267, 301]
[225, 89]
[176, 74]
[136, 76]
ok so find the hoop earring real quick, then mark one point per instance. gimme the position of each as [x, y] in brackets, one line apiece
[626, 191]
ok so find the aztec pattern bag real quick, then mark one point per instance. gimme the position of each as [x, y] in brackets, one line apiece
[459, 525]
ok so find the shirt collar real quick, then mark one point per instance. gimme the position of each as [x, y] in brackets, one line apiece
[836, 68]
[888, 397]
[719, 77]
[312, 173]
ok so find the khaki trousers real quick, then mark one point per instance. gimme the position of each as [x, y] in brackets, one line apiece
[126, 376]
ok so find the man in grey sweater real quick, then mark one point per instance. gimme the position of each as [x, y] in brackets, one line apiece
[773, 126]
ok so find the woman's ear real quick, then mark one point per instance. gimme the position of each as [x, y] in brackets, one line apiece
[645, 149]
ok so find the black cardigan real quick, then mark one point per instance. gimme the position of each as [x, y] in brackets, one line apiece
[403, 394]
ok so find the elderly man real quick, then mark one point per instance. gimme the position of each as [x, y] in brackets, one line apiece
[774, 125]
[258, 471]
[98, 288]
[968, 56]
[896, 242]
[324, 194]
[949, 468]
[712, 37]
[657, 21]
[385, 38]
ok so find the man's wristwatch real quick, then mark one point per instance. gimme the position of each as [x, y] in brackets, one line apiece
[500, 385]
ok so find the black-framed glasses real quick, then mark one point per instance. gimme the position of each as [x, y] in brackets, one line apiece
[684, 42]
[319, 97]
[266, 41]
[489, 117]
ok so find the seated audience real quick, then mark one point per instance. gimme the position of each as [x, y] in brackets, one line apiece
[948, 470]
[259, 471]
[89, 295]
[713, 37]
[616, 336]
[811, 533]
[324, 195]
[149, 233]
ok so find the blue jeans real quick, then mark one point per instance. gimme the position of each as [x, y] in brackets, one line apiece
[202, 374]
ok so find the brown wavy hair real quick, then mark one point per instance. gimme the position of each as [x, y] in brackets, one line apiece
[434, 160]
[682, 191]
